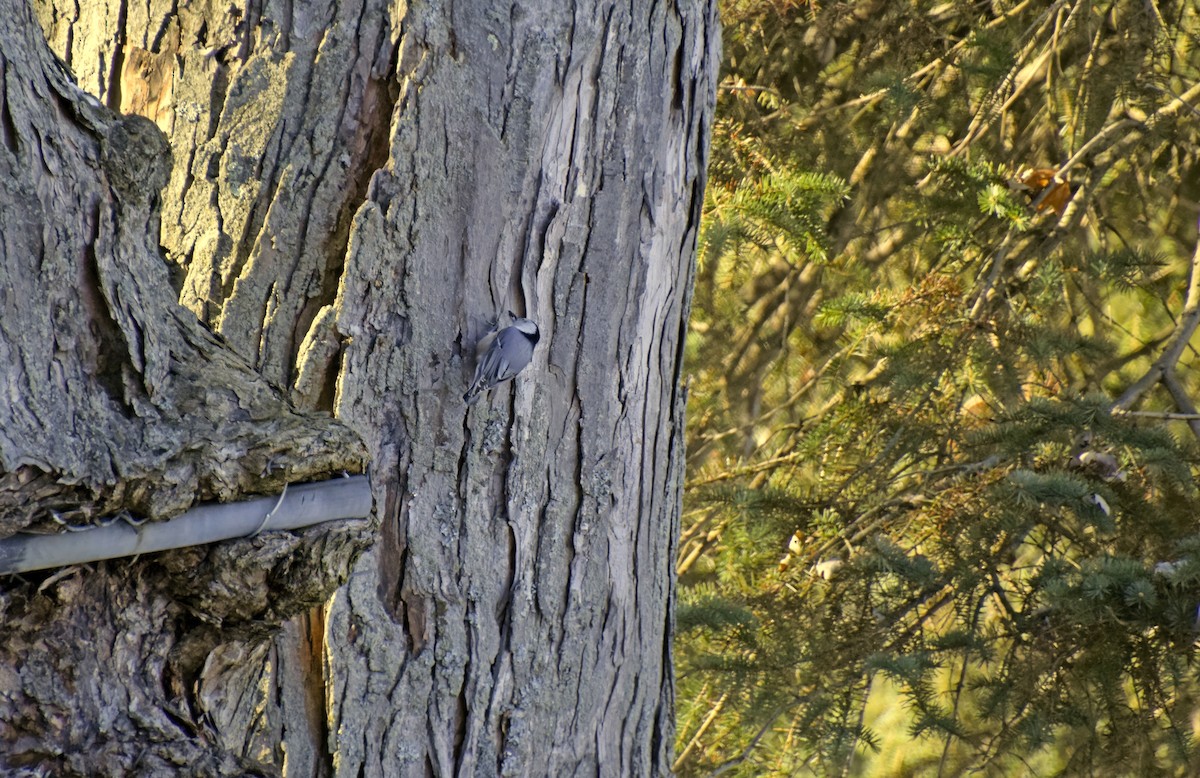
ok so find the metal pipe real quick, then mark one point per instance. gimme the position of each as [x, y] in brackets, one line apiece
[298, 506]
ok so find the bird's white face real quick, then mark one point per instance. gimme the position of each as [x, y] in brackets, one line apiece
[526, 326]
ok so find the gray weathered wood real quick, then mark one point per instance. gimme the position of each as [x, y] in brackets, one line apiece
[115, 397]
[514, 618]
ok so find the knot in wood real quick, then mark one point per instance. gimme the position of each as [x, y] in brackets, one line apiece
[136, 156]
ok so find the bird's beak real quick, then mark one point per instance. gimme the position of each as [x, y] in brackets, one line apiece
[512, 315]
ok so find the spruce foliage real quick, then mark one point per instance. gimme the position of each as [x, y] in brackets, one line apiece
[942, 514]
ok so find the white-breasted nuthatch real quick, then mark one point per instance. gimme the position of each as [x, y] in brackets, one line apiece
[510, 351]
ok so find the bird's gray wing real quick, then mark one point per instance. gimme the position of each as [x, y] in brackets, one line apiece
[492, 367]
[518, 351]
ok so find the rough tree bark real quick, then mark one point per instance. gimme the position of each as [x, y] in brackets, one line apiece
[357, 190]
[116, 398]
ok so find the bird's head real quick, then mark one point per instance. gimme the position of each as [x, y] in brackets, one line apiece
[526, 326]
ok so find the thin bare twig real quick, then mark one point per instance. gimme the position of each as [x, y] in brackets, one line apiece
[1165, 415]
[1163, 367]
[1179, 394]
[704, 725]
[725, 767]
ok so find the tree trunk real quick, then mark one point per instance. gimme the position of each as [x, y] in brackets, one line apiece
[358, 191]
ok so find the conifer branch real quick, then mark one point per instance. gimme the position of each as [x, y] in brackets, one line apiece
[704, 725]
[1153, 123]
[757, 467]
[1165, 364]
[1052, 297]
[740, 759]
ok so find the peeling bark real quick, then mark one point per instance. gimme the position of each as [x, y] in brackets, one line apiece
[357, 191]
